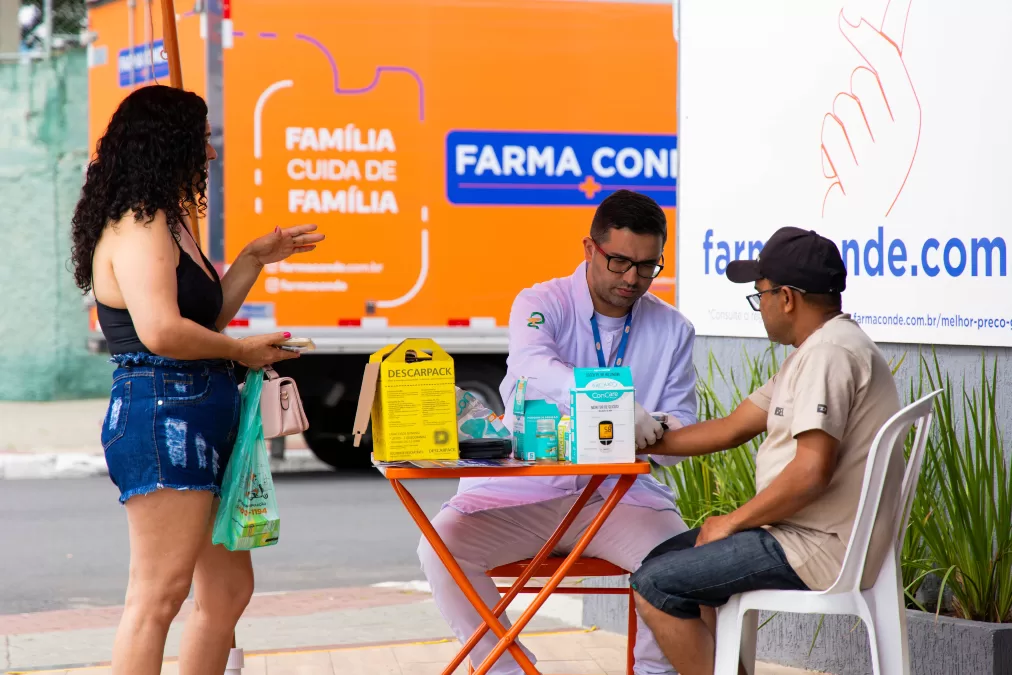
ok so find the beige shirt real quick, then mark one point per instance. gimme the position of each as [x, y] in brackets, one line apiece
[837, 381]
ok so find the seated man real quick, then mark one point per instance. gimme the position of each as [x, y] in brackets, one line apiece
[822, 411]
[494, 521]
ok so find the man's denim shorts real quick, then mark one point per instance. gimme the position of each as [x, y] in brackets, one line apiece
[676, 577]
[170, 424]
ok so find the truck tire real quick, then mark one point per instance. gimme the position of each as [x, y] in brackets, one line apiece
[329, 436]
[482, 378]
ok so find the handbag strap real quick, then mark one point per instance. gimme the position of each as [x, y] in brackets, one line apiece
[270, 373]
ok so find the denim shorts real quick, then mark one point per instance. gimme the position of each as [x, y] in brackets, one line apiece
[677, 578]
[170, 424]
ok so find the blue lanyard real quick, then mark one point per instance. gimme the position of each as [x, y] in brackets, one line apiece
[623, 343]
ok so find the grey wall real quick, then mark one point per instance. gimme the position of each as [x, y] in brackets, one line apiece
[610, 612]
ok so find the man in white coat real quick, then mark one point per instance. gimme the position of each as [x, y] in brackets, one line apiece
[600, 316]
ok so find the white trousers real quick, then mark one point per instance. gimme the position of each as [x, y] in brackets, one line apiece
[487, 539]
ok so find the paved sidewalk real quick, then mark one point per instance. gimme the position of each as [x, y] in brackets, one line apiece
[576, 652]
[386, 629]
[272, 622]
[61, 439]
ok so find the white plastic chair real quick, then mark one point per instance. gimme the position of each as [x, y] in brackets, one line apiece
[882, 606]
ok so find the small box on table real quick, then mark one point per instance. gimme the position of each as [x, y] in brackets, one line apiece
[535, 426]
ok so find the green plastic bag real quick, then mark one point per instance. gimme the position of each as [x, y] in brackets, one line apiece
[248, 514]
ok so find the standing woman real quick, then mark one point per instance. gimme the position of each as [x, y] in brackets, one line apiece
[174, 408]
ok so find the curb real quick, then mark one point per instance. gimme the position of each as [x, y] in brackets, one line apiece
[45, 465]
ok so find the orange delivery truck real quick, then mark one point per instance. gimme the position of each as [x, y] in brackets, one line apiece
[453, 152]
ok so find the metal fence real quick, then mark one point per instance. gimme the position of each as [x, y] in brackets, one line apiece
[43, 27]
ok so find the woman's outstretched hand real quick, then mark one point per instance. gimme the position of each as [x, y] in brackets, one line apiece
[282, 243]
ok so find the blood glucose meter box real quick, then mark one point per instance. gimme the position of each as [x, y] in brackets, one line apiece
[603, 405]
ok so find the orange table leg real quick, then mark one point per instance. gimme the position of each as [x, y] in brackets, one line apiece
[458, 575]
[507, 641]
[630, 656]
[521, 581]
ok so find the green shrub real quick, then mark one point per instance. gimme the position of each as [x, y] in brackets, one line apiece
[965, 515]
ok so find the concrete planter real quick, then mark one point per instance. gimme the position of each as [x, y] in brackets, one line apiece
[945, 646]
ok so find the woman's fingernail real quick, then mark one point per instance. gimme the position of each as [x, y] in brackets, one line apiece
[278, 229]
[288, 335]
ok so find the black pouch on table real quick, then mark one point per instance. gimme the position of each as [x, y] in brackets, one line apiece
[485, 448]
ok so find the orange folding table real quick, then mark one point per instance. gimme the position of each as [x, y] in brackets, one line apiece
[626, 474]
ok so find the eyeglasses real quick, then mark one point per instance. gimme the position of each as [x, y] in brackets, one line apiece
[648, 269]
[754, 299]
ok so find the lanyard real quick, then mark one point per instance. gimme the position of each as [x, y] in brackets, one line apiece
[623, 343]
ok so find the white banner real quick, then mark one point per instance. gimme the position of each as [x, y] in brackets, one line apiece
[884, 126]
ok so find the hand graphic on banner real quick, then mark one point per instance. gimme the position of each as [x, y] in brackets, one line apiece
[870, 138]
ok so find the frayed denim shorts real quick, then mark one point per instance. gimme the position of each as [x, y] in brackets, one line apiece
[170, 424]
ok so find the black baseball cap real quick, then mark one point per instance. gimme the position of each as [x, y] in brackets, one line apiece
[794, 257]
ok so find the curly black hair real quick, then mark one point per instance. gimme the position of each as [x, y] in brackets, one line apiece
[152, 158]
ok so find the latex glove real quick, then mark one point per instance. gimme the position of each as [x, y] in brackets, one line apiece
[648, 430]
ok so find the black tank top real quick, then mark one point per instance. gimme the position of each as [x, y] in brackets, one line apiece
[199, 298]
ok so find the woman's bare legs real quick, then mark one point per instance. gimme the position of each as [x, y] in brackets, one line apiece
[168, 531]
[222, 587]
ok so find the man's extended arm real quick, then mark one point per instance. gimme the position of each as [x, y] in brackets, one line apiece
[703, 438]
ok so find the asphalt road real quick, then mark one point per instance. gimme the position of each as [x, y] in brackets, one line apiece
[63, 543]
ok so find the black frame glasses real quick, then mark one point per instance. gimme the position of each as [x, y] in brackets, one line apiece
[620, 264]
[755, 298]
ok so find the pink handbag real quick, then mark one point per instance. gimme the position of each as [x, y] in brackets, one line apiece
[281, 407]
